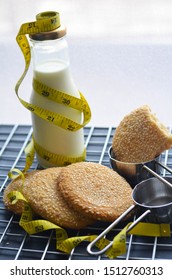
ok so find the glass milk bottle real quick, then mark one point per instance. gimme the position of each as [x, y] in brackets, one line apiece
[51, 66]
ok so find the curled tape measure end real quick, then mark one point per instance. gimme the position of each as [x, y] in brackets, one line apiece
[15, 173]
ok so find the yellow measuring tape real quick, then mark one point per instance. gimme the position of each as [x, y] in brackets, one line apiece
[66, 244]
[45, 22]
[29, 153]
[79, 104]
[53, 158]
[57, 159]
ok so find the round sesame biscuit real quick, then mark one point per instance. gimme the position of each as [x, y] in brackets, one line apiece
[95, 190]
[140, 137]
[46, 200]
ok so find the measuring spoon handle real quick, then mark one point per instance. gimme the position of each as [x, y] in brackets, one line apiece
[101, 235]
[157, 176]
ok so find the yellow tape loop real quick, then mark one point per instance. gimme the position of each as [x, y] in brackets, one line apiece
[45, 22]
[14, 173]
[79, 104]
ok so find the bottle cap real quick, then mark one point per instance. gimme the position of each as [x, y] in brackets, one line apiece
[49, 35]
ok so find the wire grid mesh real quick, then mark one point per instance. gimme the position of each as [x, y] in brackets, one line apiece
[15, 243]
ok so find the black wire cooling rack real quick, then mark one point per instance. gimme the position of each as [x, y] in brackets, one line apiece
[16, 244]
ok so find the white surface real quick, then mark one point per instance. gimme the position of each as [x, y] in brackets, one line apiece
[120, 52]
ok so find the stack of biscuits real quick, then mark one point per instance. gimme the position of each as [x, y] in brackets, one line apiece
[73, 196]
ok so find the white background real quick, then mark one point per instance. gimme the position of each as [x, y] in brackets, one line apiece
[120, 52]
[101, 269]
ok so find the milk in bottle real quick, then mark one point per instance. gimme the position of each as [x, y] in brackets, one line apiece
[51, 67]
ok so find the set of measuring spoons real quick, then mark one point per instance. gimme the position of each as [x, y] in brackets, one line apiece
[151, 195]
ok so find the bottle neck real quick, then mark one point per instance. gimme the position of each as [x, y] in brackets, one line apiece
[49, 51]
